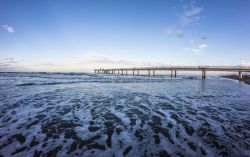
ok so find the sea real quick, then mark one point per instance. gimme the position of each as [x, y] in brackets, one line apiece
[98, 115]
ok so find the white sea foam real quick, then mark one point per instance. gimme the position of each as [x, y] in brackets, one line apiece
[104, 115]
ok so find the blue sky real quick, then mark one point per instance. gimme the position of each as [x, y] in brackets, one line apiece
[79, 35]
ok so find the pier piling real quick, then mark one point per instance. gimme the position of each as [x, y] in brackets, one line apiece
[203, 74]
[240, 75]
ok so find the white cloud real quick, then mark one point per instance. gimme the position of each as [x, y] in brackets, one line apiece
[190, 15]
[245, 63]
[197, 51]
[194, 51]
[9, 28]
[79, 63]
[95, 57]
[98, 59]
[94, 60]
[9, 61]
[9, 64]
[203, 46]
[173, 30]
[193, 11]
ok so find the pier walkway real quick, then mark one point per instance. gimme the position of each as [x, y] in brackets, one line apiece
[173, 69]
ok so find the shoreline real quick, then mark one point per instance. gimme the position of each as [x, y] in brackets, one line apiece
[246, 78]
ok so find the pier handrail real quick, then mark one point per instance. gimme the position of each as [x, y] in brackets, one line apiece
[182, 67]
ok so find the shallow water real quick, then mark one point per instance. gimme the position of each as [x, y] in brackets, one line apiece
[56, 114]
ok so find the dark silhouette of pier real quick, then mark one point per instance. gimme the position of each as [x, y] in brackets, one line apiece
[173, 69]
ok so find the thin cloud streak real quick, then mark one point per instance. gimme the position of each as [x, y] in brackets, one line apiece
[10, 64]
[88, 62]
[197, 51]
[9, 29]
[193, 11]
[203, 46]
[191, 15]
[194, 51]
[10, 61]
[100, 59]
[173, 30]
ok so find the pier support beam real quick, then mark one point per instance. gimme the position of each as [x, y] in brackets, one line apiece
[138, 72]
[122, 72]
[171, 73]
[126, 72]
[175, 73]
[240, 77]
[148, 72]
[153, 72]
[203, 74]
[133, 72]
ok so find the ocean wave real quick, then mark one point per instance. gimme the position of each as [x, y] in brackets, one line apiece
[48, 83]
[97, 81]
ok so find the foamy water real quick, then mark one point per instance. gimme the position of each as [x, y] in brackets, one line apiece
[53, 114]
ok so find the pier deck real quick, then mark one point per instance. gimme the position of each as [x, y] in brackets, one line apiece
[174, 69]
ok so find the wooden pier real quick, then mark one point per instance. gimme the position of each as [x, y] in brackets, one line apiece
[173, 69]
